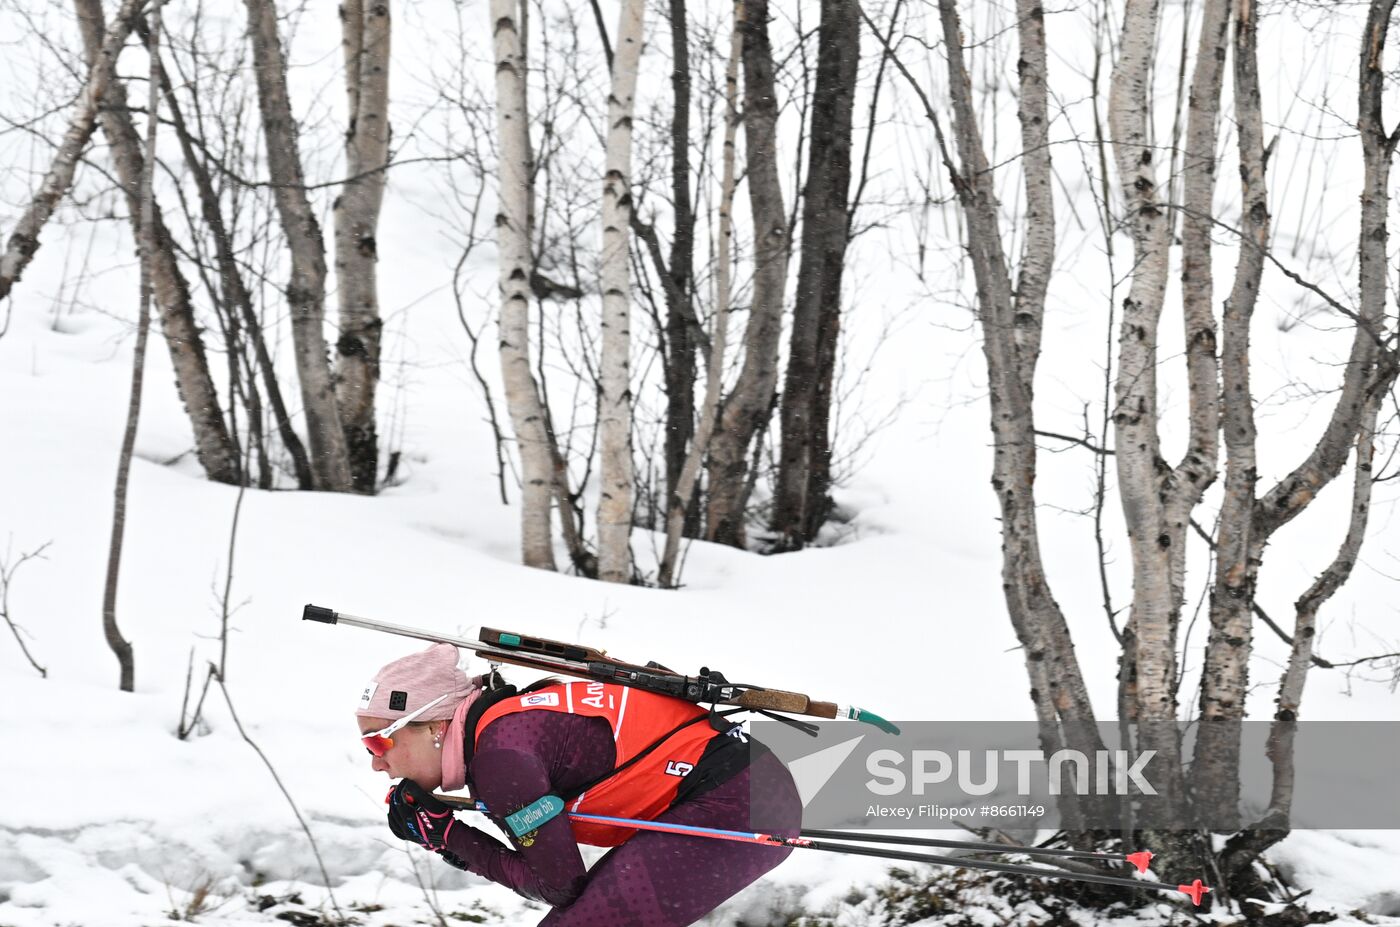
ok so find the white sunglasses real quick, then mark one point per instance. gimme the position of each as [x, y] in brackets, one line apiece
[379, 742]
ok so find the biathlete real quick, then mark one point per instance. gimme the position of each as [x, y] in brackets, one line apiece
[604, 749]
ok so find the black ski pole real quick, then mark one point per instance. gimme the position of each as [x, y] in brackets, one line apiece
[1141, 859]
[1194, 891]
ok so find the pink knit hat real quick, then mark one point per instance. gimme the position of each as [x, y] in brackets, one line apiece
[411, 682]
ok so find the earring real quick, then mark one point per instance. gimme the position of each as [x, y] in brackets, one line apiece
[437, 744]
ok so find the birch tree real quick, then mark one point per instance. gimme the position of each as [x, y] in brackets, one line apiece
[1242, 849]
[615, 418]
[1232, 544]
[513, 244]
[1370, 371]
[679, 501]
[306, 290]
[749, 406]
[1011, 317]
[234, 289]
[1157, 499]
[214, 445]
[365, 28]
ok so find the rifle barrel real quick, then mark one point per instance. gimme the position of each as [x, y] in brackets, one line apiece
[540, 661]
[557, 657]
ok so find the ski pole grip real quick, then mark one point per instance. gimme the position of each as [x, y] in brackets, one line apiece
[319, 613]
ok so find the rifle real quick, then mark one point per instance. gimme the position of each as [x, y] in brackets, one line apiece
[708, 687]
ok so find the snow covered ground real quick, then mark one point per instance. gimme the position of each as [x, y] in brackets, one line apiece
[107, 818]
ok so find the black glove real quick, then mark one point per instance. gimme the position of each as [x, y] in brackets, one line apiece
[416, 814]
[452, 859]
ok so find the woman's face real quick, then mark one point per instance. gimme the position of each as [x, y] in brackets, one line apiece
[413, 755]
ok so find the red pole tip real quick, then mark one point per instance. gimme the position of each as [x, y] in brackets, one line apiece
[1140, 859]
[1195, 890]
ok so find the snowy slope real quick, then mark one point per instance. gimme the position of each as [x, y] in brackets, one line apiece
[111, 816]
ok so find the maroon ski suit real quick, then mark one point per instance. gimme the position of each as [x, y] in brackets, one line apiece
[653, 879]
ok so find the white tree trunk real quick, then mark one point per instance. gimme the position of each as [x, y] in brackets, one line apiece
[615, 419]
[513, 244]
[1010, 319]
[214, 446]
[1214, 779]
[1154, 612]
[719, 339]
[749, 406]
[366, 32]
[234, 287]
[1368, 372]
[306, 291]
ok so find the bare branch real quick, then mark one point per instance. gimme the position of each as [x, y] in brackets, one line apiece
[7, 575]
[306, 828]
[24, 237]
